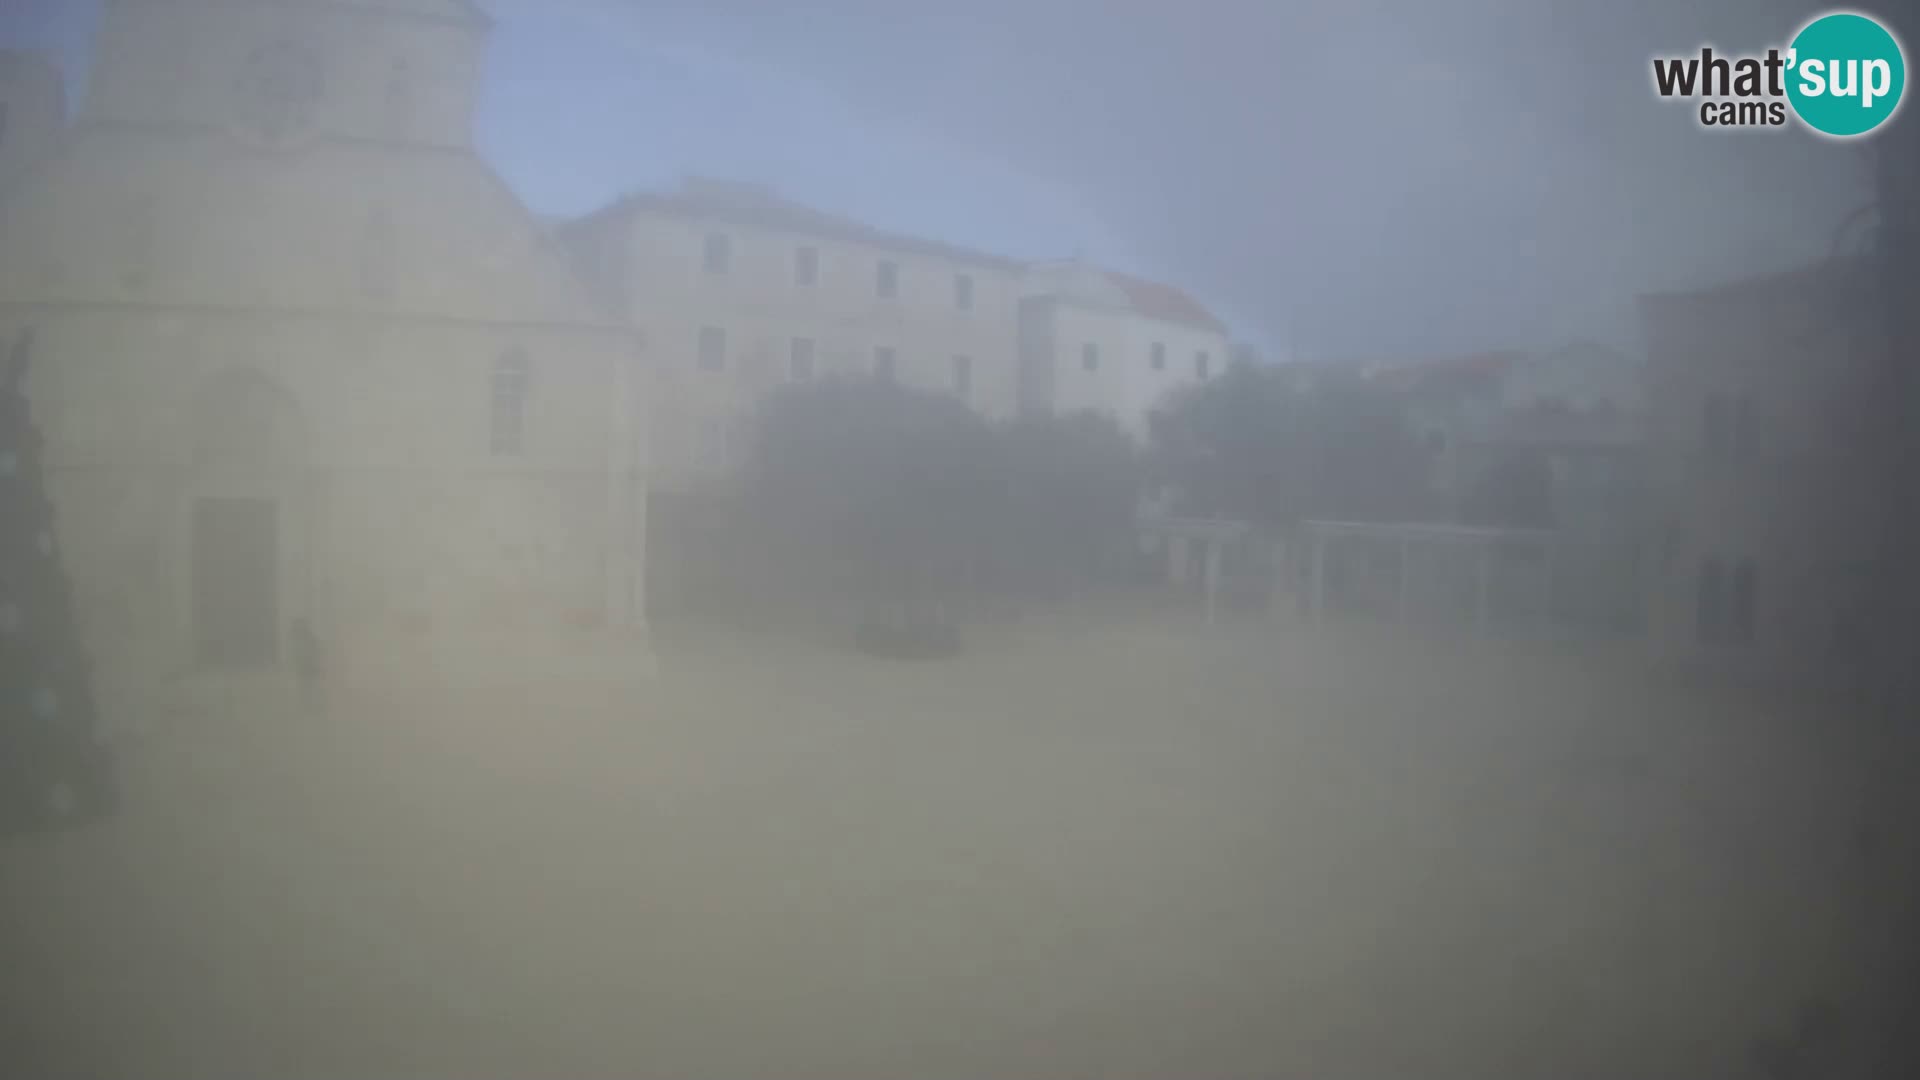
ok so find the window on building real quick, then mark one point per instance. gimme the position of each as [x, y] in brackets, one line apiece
[1159, 356]
[741, 434]
[963, 292]
[806, 265]
[884, 363]
[1740, 604]
[713, 348]
[1090, 356]
[1202, 365]
[1710, 603]
[1740, 443]
[718, 256]
[510, 378]
[713, 444]
[141, 226]
[962, 375]
[399, 79]
[886, 278]
[400, 97]
[800, 359]
[1713, 426]
[376, 255]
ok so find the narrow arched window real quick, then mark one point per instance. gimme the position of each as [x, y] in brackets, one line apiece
[376, 255]
[400, 98]
[511, 378]
[1740, 604]
[1713, 427]
[1710, 603]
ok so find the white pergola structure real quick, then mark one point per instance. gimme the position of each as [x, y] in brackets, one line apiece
[1196, 540]
[1481, 543]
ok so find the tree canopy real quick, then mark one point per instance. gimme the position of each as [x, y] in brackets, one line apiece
[910, 500]
[1261, 444]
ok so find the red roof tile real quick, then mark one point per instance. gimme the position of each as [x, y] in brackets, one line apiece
[1161, 301]
[747, 204]
[1444, 371]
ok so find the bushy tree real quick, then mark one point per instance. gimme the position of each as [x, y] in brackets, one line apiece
[52, 765]
[1516, 491]
[1259, 444]
[877, 490]
[1066, 491]
[909, 502]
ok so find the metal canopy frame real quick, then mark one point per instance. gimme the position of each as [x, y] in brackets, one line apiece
[1406, 535]
[1213, 534]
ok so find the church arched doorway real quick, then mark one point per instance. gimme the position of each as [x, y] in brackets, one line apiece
[243, 522]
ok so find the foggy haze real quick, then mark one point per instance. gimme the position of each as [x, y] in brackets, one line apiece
[1380, 179]
[867, 540]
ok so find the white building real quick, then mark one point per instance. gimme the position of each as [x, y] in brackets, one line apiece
[1101, 341]
[737, 291]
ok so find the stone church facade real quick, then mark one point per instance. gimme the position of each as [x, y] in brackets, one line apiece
[299, 354]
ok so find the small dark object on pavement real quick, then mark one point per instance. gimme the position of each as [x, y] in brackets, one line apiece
[911, 640]
[309, 663]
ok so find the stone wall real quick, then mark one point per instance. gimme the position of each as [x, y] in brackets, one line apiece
[394, 516]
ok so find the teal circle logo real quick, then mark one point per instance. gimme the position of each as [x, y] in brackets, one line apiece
[1845, 74]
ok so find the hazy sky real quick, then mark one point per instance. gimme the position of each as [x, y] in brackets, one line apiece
[1350, 178]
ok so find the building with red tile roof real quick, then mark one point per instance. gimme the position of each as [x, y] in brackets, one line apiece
[776, 291]
[1158, 300]
[1094, 339]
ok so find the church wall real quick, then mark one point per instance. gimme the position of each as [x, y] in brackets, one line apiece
[266, 266]
[395, 515]
[202, 220]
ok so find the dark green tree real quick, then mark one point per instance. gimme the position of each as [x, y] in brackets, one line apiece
[1261, 444]
[1516, 491]
[1063, 503]
[53, 764]
[880, 492]
[914, 506]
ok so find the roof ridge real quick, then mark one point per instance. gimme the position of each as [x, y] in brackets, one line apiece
[799, 217]
[741, 201]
